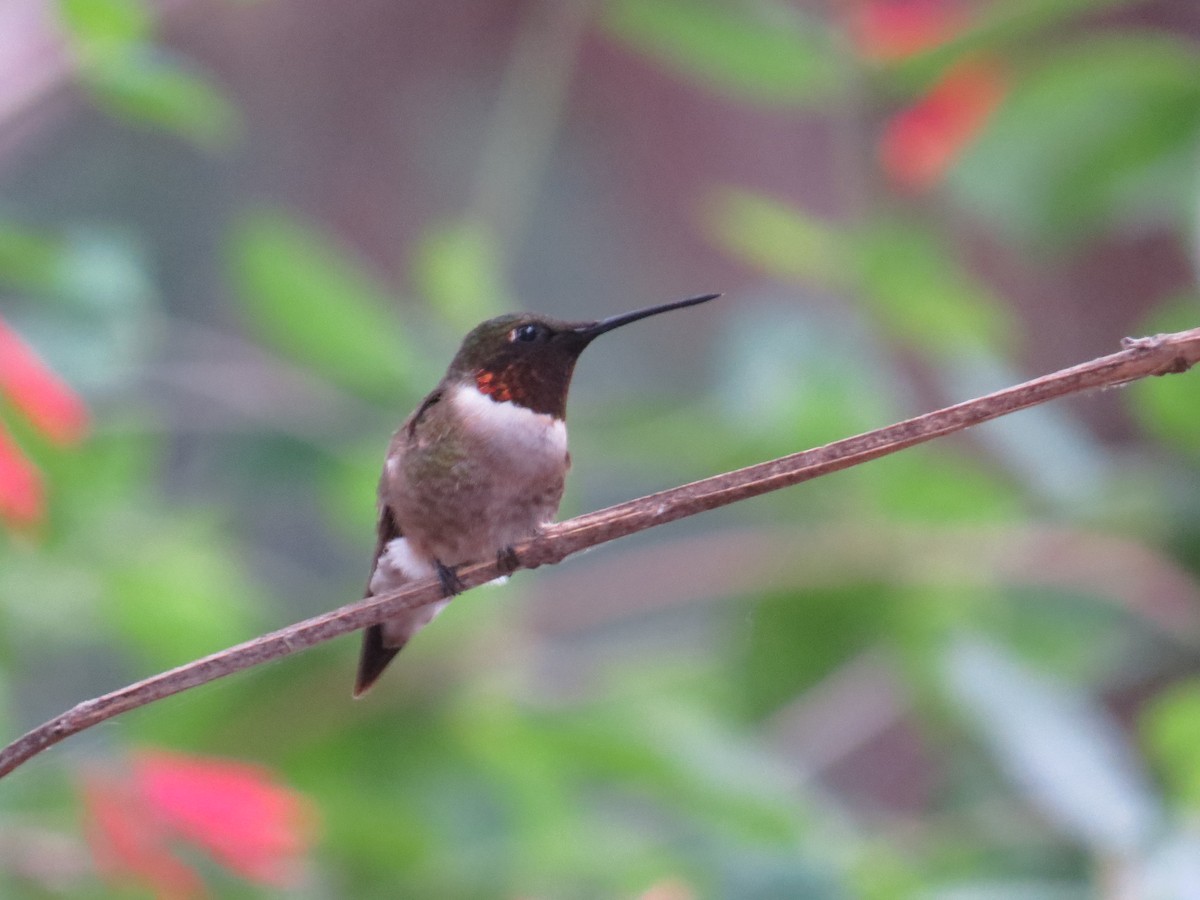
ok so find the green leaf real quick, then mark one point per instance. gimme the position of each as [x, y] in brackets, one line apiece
[687, 758]
[29, 259]
[776, 238]
[1166, 407]
[148, 87]
[310, 299]
[1017, 19]
[91, 271]
[920, 295]
[906, 277]
[774, 58]
[457, 267]
[1102, 133]
[799, 637]
[179, 596]
[1171, 726]
[1010, 28]
[107, 22]
[67, 590]
[1066, 631]
[938, 486]
[131, 77]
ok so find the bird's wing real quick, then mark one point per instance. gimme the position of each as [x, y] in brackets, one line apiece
[409, 428]
[375, 657]
[376, 654]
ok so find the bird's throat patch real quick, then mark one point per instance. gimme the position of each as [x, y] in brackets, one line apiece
[493, 384]
[526, 385]
[540, 388]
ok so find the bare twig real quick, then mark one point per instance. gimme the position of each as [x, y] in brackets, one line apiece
[1161, 355]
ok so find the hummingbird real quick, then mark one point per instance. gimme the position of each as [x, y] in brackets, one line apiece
[479, 465]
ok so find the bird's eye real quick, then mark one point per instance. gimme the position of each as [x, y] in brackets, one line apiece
[526, 333]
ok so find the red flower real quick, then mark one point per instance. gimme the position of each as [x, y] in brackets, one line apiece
[249, 823]
[890, 30]
[21, 495]
[128, 846]
[920, 143]
[236, 811]
[44, 399]
[53, 409]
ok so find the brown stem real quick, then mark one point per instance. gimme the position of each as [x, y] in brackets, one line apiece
[1161, 355]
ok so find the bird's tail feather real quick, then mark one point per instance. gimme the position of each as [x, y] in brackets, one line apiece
[373, 660]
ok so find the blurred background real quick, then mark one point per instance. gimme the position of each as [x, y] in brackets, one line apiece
[239, 241]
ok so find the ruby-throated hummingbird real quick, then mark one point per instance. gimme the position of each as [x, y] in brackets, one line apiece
[479, 465]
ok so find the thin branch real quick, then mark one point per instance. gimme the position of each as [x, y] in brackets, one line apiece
[1161, 355]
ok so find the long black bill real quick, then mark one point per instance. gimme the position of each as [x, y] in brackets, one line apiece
[598, 328]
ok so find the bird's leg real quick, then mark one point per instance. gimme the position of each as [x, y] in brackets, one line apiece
[507, 560]
[449, 579]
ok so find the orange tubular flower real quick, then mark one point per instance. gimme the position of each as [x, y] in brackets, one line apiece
[921, 143]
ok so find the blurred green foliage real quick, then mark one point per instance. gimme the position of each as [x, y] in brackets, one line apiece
[782, 59]
[133, 76]
[1164, 408]
[907, 278]
[307, 299]
[934, 684]
[1100, 133]
[456, 268]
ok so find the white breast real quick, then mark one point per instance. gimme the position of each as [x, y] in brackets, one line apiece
[520, 431]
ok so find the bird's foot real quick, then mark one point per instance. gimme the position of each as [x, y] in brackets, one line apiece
[450, 581]
[507, 561]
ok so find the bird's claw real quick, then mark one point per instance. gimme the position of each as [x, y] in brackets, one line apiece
[451, 584]
[507, 560]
